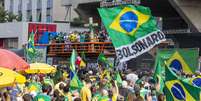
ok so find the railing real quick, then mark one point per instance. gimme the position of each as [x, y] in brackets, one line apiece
[105, 3]
[89, 48]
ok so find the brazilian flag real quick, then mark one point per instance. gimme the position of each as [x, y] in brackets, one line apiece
[196, 81]
[31, 50]
[178, 90]
[179, 60]
[133, 30]
[75, 83]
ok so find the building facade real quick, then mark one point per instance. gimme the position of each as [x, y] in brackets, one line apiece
[16, 36]
[36, 10]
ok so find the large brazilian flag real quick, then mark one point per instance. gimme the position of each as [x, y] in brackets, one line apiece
[178, 90]
[132, 29]
[179, 60]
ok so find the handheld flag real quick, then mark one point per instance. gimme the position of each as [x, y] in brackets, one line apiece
[72, 60]
[178, 90]
[118, 78]
[159, 77]
[103, 59]
[196, 81]
[133, 30]
[75, 83]
[31, 51]
[179, 60]
[177, 63]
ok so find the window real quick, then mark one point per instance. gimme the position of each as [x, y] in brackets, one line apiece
[49, 3]
[29, 5]
[49, 15]
[49, 18]
[11, 6]
[39, 15]
[20, 6]
[11, 43]
[39, 4]
[29, 16]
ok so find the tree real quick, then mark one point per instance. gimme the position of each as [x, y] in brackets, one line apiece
[6, 16]
[11, 17]
[3, 15]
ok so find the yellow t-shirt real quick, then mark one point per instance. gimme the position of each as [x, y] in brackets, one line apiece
[85, 94]
[114, 97]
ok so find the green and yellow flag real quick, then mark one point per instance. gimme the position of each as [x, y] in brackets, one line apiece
[31, 50]
[179, 60]
[159, 76]
[178, 90]
[75, 83]
[133, 30]
[72, 60]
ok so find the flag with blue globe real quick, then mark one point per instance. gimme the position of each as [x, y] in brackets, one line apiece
[133, 30]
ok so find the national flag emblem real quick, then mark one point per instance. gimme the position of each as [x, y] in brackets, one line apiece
[133, 30]
[178, 91]
[128, 21]
[177, 63]
[196, 81]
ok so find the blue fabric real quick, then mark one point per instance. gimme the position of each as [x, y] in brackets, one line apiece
[53, 34]
[71, 75]
[44, 39]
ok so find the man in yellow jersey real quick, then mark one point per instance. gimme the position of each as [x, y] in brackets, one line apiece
[85, 92]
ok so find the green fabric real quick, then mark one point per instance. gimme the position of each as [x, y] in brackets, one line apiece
[102, 58]
[169, 74]
[190, 92]
[72, 60]
[118, 78]
[108, 16]
[31, 51]
[158, 76]
[75, 83]
[42, 97]
[190, 56]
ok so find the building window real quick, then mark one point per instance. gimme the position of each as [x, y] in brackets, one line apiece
[29, 5]
[49, 15]
[20, 6]
[11, 6]
[39, 4]
[49, 3]
[10, 43]
[49, 18]
[39, 15]
[29, 15]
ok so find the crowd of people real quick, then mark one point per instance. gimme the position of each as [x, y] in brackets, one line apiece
[102, 84]
[76, 36]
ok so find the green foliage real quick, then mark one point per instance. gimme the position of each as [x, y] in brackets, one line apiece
[60, 37]
[6, 16]
[77, 22]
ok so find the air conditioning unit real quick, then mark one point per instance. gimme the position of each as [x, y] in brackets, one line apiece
[66, 2]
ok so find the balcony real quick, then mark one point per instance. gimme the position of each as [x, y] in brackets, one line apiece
[91, 49]
[105, 3]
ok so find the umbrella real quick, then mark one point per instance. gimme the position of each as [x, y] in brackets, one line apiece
[12, 61]
[40, 68]
[9, 77]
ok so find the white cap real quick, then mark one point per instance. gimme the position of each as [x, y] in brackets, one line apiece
[124, 84]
